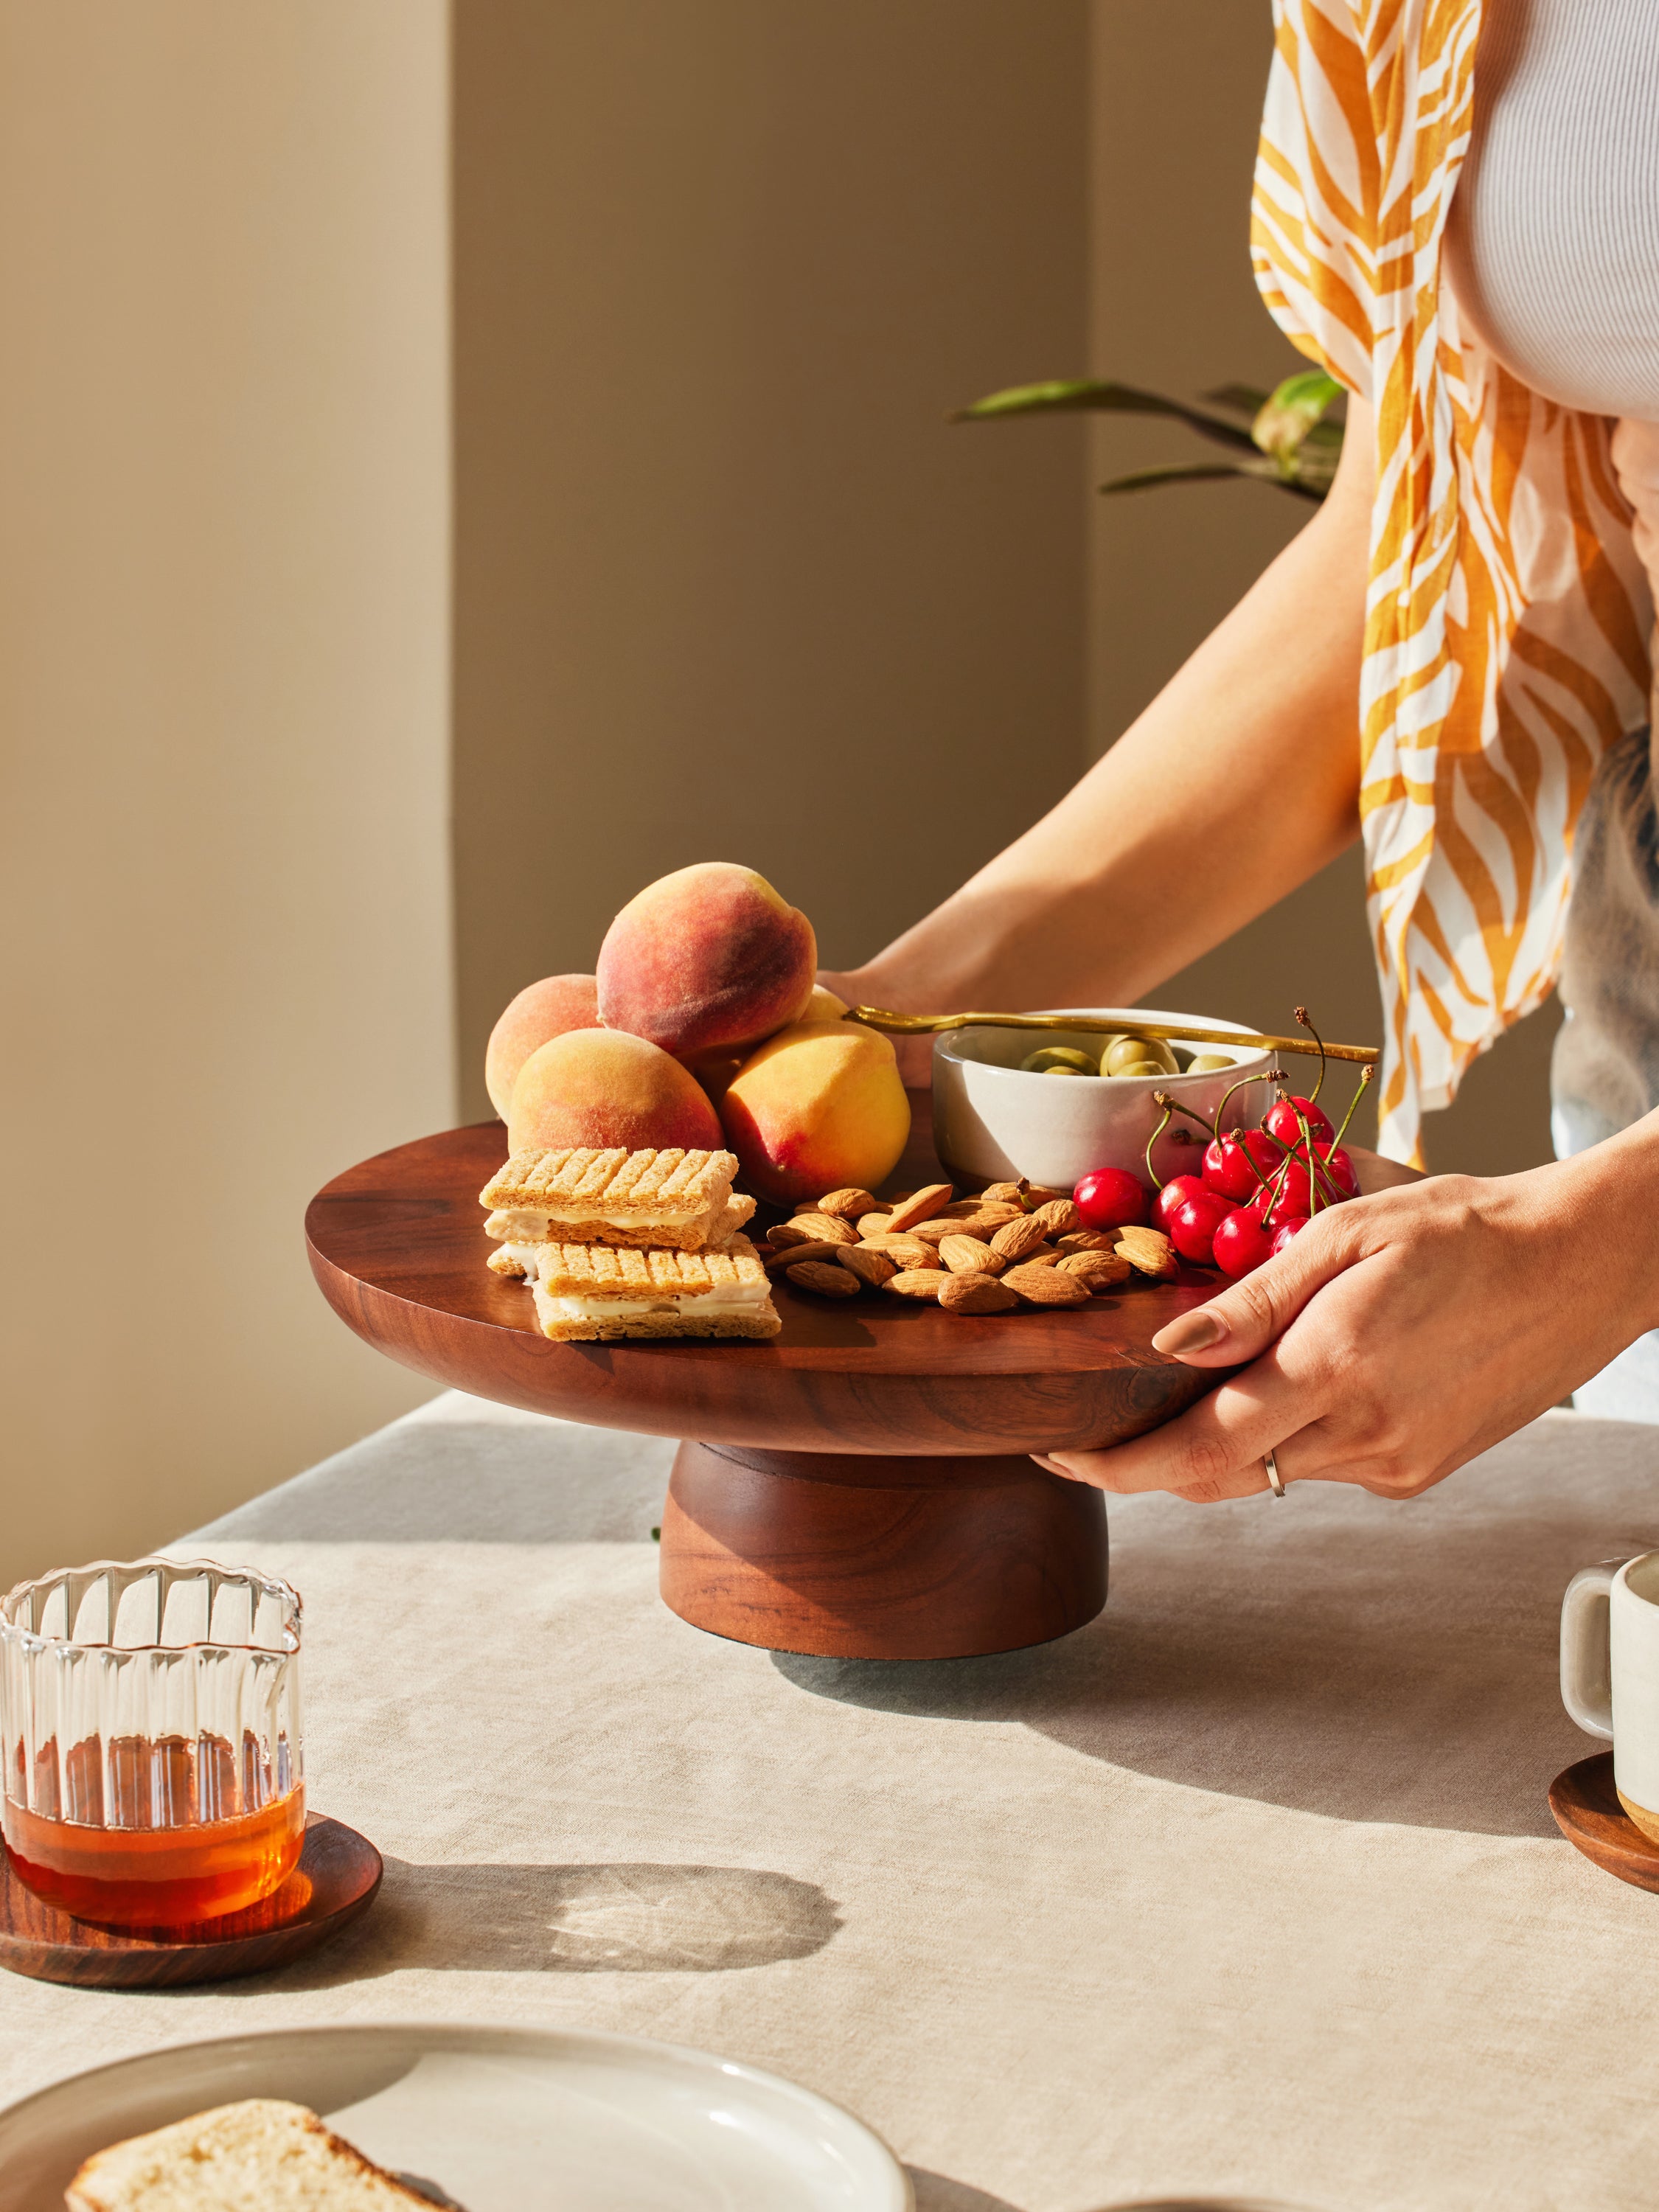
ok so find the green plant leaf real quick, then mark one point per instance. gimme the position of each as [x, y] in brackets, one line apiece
[1242, 398]
[1291, 413]
[1092, 395]
[1261, 471]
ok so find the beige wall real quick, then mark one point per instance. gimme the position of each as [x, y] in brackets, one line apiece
[727, 585]
[223, 580]
[1176, 100]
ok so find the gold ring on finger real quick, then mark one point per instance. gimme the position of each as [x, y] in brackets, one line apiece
[1275, 1481]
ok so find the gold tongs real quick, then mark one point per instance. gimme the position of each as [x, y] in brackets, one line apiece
[878, 1017]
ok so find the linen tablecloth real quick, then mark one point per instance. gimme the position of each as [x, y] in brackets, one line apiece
[1248, 1891]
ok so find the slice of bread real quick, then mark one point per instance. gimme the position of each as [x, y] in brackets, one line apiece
[262, 2155]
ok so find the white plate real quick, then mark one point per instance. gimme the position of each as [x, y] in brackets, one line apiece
[500, 2119]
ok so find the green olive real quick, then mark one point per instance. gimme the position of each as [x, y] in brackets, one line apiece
[1051, 1056]
[1209, 1063]
[1130, 1050]
[1142, 1067]
[1183, 1059]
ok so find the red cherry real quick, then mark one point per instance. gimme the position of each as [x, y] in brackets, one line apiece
[1192, 1227]
[1174, 1195]
[1341, 1169]
[1287, 1232]
[1227, 1164]
[1281, 1119]
[1240, 1243]
[1290, 1204]
[1111, 1197]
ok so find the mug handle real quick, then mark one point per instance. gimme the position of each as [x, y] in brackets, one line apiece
[1586, 1660]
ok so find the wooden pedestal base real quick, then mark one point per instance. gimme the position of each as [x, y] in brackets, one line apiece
[858, 1557]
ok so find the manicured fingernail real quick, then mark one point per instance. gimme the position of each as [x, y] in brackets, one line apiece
[1193, 1332]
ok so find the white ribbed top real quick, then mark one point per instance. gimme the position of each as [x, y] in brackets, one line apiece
[1552, 245]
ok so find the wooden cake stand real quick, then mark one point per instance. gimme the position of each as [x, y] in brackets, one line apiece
[859, 1487]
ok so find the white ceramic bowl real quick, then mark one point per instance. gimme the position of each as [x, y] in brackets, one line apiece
[993, 1122]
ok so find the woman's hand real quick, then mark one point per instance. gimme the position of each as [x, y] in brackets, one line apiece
[1405, 1332]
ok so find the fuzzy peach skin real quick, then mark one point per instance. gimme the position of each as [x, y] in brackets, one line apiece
[707, 961]
[823, 1006]
[540, 1012]
[819, 1107]
[596, 1087]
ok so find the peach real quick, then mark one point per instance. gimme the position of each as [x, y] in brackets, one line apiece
[598, 1087]
[823, 1006]
[705, 962]
[819, 1107]
[540, 1012]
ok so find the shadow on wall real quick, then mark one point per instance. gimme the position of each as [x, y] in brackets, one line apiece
[616, 1918]
[1343, 1655]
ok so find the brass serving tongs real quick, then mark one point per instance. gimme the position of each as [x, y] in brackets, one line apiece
[878, 1017]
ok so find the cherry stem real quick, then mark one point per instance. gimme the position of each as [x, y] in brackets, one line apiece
[1303, 1023]
[1359, 1092]
[1317, 1162]
[1174, 1106]
[1303, 1124]
[1158, 1179]
[1268, 1075]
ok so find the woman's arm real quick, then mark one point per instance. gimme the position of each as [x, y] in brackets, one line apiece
[1401, 1334]
[1239, 781]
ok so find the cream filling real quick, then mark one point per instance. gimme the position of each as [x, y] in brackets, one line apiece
[725, 1297]
[519, 1223]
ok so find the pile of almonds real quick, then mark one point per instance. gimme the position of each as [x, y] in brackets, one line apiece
[1013, 1245]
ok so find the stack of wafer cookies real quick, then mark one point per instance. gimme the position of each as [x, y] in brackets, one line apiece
[614, 1243]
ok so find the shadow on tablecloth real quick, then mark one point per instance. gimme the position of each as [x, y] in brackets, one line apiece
[937, 2192]
[621, 1918]
[1336, 1653]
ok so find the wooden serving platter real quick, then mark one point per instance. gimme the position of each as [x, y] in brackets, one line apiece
[338, 1873]
[860, 1485]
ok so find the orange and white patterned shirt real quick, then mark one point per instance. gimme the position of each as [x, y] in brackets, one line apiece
[1508, 614]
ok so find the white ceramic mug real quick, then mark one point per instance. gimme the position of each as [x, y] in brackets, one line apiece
[1610, 1674]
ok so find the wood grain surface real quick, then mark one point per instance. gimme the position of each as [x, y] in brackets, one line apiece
[1587, 1811]
[398, 1248]
[865, 1557]
[336, 1879]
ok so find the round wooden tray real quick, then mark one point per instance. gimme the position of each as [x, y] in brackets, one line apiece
[860, 1485]
[338, 1873]
[1587, 1811]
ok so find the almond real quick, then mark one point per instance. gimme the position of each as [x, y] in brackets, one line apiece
[1150, 1251]
[869, 1266]
[846, 1205]
[1098, 1269]
[791, 1255]
[1090, 1240]
[921, 1206]
[1015, 1239]
[966, 1255]
[812, 1229]
[904, 1251]
[916, 1282]
[1058, 1217]
[992, 1212]
[1004, 1194]
[930, 1232]
[975, 1294]
[1045, 1286]
[1034, 1195]
[824, 1276]
[875, 1224]
[959, 1208]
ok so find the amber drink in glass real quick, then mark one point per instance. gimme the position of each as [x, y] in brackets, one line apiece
[150, 1713]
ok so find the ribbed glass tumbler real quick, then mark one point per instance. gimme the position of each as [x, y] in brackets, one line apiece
[150, 1713]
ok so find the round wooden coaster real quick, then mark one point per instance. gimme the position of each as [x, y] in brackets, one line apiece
[338, 1873]
[1588, 1814]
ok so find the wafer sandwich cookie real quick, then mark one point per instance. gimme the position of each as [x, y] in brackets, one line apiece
[670, 1201]
[585, 1292]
